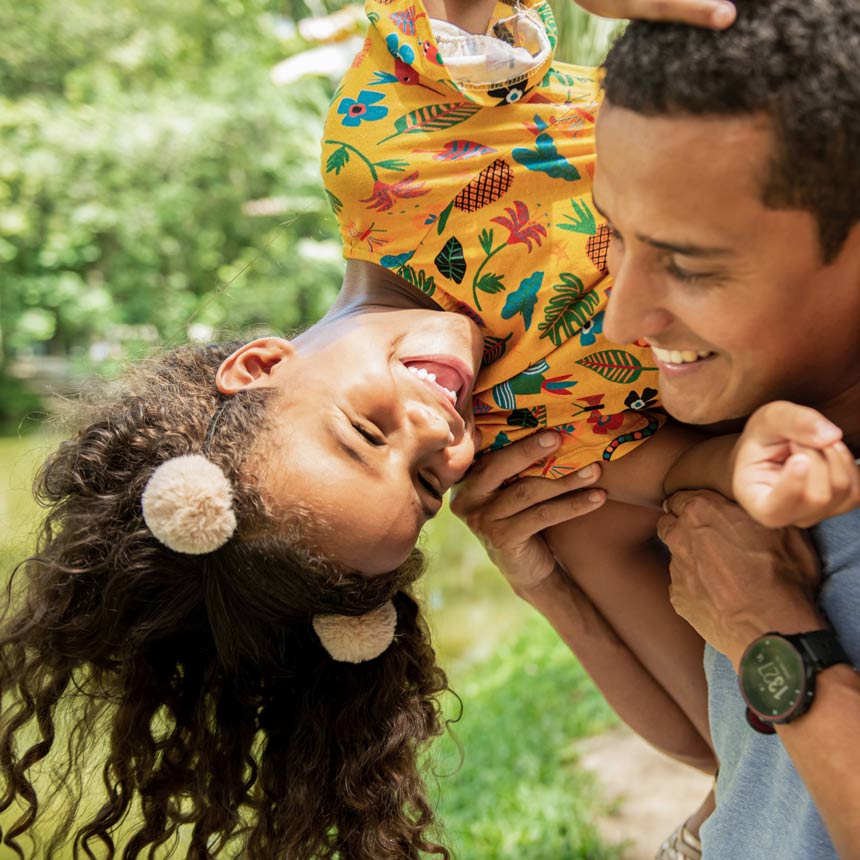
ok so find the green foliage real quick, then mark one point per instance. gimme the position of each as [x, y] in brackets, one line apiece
[582, 38]
[517, 794]
[153, 176]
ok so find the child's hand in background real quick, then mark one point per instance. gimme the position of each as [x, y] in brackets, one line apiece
[791, 467]
[716, 14]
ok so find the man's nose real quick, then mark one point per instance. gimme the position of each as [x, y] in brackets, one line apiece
[636, 307]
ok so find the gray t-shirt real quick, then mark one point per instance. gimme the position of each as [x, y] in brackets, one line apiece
[763, 809]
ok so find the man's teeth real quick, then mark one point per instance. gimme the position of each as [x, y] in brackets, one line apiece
[422, 373]
[678, 356]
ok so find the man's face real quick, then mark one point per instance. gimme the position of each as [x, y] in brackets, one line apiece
[733, 297]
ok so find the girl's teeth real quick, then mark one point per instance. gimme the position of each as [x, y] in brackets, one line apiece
[421, 373]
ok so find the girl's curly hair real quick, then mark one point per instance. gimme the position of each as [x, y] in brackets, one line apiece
[199, 678]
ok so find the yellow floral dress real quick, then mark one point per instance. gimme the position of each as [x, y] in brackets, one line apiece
[464, 164]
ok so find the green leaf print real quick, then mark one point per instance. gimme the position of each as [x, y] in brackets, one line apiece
[616, 365]
[443, 218]
[334, 202]
[433, 118]
[568, 310]
[337, 160]
[393, 164]
[486, 240]
[418, 279]
[451, 262]
[494, 348]
[490, 283]
[583, 219]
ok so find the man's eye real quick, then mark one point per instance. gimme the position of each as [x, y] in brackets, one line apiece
[429, 487]
[683, 275]
[371, 437]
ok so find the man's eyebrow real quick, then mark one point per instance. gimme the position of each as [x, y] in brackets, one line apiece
[684, 249]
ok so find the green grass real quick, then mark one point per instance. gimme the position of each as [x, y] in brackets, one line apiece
[507, 782]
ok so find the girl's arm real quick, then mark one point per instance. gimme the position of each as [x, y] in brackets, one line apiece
[788, 467]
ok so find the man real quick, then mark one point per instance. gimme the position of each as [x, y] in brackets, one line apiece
[729, 170]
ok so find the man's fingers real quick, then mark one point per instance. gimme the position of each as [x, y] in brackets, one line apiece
[522, 526]
[678, 502]
[715, 14]
[493, 469]
[525, 492]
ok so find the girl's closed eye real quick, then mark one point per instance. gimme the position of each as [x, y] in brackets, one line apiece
[431, 488]
[370, 436]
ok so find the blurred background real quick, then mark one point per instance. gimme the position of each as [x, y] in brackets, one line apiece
[159, 183]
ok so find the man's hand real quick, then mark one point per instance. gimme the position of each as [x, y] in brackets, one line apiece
[734, 579]
[508, 519]
[714, 14]
[791, 467]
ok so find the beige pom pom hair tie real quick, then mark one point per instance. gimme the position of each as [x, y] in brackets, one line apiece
[188, 506]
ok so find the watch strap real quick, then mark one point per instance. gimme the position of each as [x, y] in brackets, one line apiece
[821, 647]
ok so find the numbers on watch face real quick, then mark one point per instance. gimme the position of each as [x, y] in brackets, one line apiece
[773, 678]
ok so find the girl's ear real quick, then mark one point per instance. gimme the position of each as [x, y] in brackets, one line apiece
[251, 365]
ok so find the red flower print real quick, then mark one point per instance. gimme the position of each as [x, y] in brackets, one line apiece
[519, 227]
[604, 423]
[385, 193]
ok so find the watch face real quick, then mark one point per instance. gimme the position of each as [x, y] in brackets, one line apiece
[773, 678]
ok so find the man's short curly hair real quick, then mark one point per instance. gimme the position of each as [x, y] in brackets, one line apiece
[797, 61]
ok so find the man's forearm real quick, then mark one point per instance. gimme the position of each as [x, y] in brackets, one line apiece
[625, 683]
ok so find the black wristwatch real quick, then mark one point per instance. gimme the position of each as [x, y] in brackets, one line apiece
[777, 675]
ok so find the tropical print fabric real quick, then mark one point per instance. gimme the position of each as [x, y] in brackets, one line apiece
[476, 189]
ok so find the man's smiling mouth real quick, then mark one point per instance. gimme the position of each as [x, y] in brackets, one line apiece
[680, 356]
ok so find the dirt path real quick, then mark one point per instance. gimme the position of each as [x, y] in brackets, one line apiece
[649, 794]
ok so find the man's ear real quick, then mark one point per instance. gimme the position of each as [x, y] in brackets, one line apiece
[252, 365]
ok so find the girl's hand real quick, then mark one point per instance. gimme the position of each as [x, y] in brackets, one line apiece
[792, 467]
[714, 14]
[508, 519]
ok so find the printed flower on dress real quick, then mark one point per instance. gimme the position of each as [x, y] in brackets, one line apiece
[385, 193]
[520, 228]
[508, 95]
[635, 400]
[588, 333]
[604, 423]
[362, 109]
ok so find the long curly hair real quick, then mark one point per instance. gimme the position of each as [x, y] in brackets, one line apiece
[199, 678]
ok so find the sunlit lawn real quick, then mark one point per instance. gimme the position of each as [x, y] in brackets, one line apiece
[516, 793]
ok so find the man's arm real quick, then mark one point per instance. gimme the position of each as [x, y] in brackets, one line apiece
[509, 519]
[734, 580]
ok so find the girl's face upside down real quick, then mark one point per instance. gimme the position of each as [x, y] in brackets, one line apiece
[372, 425]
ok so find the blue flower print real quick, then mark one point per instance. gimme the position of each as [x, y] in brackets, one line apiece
[401, 52]
[363, 108]
[588, 333]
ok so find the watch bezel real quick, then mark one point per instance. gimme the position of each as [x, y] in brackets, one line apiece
[796, 706]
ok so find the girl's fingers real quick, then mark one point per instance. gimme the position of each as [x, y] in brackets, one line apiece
[714, 14]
